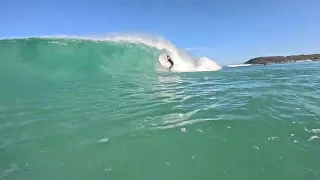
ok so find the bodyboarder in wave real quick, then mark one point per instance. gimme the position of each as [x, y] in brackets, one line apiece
[170, 61]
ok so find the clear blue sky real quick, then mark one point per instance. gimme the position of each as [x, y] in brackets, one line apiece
[228, 31]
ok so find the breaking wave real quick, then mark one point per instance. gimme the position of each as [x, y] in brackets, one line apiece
[125, 48]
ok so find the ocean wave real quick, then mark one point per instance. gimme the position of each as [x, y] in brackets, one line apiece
[184, 62]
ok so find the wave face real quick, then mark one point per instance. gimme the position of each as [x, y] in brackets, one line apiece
[43, 56]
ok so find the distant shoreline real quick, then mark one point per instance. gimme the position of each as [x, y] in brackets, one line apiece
[284, 59]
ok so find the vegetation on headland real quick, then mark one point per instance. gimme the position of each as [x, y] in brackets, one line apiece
[283, 59]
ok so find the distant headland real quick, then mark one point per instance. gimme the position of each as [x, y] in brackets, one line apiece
[283, 59]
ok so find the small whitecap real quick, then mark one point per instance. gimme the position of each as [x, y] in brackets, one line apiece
[256, 147]
[295, 141]
[313, 137]
[272, 138]
[199, 130]
[292, 135]
[229, 127]
[316, 131]
[183, 130]
[104, 140]
[108, 169]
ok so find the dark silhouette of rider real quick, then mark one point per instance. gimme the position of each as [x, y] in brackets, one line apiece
[170, 61]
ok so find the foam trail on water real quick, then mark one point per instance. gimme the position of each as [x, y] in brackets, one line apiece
[183, 61]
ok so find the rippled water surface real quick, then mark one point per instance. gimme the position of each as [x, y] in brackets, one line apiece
[238, 123]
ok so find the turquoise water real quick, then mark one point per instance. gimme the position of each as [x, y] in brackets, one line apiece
[75, 109]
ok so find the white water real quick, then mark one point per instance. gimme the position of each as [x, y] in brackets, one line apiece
[183, 62]
[239, 65]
